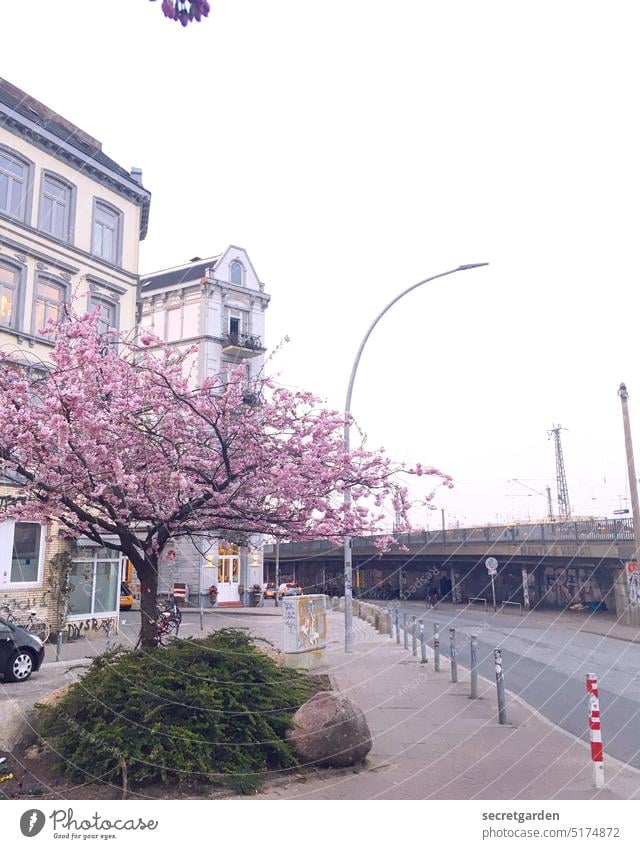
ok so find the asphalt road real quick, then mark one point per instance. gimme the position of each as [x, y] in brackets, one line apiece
[547, 667]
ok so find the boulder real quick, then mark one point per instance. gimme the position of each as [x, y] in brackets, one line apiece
[330, 730]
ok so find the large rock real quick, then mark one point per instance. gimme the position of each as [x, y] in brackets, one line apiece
[330, 730]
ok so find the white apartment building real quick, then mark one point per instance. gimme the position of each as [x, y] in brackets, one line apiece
[71, 220]
[218, 305]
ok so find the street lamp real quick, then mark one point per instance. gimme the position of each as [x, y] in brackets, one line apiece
[348, 570]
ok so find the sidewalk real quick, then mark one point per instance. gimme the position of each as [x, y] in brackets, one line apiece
[432, 742]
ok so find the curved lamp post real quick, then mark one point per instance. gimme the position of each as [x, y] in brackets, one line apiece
[348, 571]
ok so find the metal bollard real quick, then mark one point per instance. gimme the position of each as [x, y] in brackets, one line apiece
[436, 647]
[397, 627]
[108, 635]
[59, 645]
[414, 637]
[474, 667]
[423, 645]
[389, 614]
[406, 630]
[454, 662]
[502, 706]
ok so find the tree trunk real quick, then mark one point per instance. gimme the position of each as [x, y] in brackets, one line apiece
[148, 605]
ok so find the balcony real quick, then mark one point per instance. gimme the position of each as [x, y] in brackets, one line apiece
[242, 346]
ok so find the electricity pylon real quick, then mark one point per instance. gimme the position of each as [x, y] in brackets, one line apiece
[564, 507]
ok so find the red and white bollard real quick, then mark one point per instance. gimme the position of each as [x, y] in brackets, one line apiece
[595, 732]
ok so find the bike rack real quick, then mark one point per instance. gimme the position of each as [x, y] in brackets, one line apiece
[514, 603]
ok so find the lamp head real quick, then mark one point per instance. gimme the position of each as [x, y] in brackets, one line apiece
[622, 392]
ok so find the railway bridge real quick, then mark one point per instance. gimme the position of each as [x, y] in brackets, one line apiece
[550, 564]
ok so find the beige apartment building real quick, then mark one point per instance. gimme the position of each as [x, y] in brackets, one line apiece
[71, 223]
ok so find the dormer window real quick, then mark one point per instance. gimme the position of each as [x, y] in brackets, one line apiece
[236, 273]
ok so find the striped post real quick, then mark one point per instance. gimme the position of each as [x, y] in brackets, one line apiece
[595, 733]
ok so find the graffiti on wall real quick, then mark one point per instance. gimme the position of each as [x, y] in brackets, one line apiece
[633, 583]
[7, 501]
[75, 630]
[565, 586]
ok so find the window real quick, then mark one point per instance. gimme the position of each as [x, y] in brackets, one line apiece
[105, 238]
[13, 185]
[108, 313]
[9, 279]
[237, 322]
[95, 582]
[236, 273]
[21, 553]
[55, 207]
[49, 300]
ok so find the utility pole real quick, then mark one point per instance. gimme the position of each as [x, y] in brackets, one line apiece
[564, 507]
[631, 470]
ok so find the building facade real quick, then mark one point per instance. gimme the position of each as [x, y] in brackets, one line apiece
[216, 305]
[71, 222]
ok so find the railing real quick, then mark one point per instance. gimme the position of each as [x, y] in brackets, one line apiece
[242, 340]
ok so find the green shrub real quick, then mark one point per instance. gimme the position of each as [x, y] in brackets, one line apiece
[200, 710]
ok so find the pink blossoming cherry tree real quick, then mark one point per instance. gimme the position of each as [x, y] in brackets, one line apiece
[110, 440]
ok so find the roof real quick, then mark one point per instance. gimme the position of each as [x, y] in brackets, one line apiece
[27, 107]
[190, 272]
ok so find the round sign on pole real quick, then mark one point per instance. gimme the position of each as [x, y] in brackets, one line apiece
[492, 565]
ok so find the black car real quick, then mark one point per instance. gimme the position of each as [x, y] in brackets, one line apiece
[21, 653]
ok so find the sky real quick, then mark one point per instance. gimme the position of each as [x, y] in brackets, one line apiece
[356, 147]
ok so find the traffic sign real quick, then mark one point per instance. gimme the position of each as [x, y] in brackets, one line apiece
[492, 565]
[620, 512]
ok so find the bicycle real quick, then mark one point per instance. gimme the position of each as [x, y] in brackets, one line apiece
[33, 624]
[167, 623]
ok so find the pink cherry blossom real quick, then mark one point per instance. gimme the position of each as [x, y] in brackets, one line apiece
[112, 441]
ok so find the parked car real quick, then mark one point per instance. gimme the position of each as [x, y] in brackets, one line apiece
[269, 590]
[126, 596]
[289, 588]
[21, 653]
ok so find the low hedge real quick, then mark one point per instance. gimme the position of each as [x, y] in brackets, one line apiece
[197, 711]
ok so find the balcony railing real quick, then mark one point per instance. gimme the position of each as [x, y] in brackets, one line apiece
[242, 340]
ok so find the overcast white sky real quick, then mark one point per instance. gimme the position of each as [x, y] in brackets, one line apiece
[354, 147]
